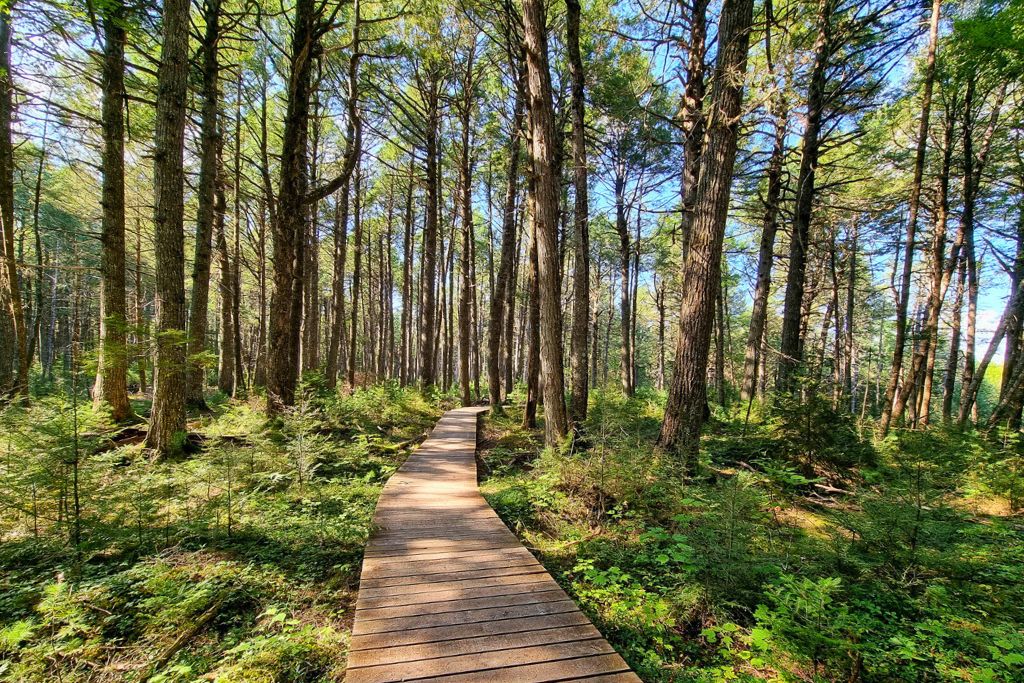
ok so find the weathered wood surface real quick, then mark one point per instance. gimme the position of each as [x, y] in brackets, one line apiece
[449, 594]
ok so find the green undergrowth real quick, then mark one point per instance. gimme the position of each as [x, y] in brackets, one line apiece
[236, 562]
[803, 551]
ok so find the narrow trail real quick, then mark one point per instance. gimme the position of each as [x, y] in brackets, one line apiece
[448, 592]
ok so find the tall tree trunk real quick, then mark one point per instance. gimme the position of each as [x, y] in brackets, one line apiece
[687, 399]
[226, 289]
[903, 299]
[111, 386]
[357, 256]
[532, 371]
[920, 372]
[465, 171]
[292, 214]
[579, 380]
[404, 370]
[953, 360]
[10, 283]
[428, 367]
[504, 283]
[169, 375]
[207, 209]
[692, 118]
[766, 253]
[542, 154]
[791, 348]
[353, 150]
[625, 298]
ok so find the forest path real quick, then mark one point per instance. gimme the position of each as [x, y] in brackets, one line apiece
[448, 592]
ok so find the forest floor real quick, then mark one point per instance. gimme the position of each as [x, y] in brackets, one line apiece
[238, 562]
[805, 552]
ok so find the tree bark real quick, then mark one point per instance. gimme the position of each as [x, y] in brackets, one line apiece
[578, 361]
[353, 149]
[766, 254]
[687, 399]
[10, 285]
[111, 386]
[428, 367]
[791, 351]
[903, 300]
[167, 425]
[466, 170]
[290, 226]
[207, 209]
[542, 154]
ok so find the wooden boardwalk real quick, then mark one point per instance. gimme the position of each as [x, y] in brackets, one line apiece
[449, 594]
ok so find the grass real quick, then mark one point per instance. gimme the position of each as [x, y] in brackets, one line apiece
[236, 563]
[801, 553]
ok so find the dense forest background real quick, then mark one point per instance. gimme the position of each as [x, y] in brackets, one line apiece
[743, 283]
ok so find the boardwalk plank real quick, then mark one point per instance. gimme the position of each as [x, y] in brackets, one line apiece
[448, 593]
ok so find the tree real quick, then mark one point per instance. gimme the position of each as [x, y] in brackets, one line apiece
[580, 381]
[111, 386]
[684, 411]
[542, 157]
[209, 177]
[167, 423]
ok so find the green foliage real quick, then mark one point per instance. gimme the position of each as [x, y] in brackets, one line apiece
[260, 532]
[750, 573]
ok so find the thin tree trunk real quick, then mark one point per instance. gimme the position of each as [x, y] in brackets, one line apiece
[207, 206]
[766, 254]
[793, 318]
[357, 254]
[579, 380]
[10, 283]
[903, 300]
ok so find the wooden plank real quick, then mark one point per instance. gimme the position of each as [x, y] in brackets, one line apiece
[469, 616]
[540, 583]
[465, 646]
[448, 593]
[497, 659]
[589, 667]
[486, 628]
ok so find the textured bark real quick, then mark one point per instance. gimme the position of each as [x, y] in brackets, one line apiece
[167, 424]
[12, 354]
[428, 320]
[207, 209]
[503, 283]
[687, 399]
[542, 155]
[953, 362]
[1012, 352]
[692, 117]
[111, 386]
[903, 299]
[353, 149]
[766, 254]
[357, 257]
[405, 351]
[226, 289]
[579, 377]
[791, 351]
[465, 184]
[532, 371]
[919, 373]
[625, 298]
